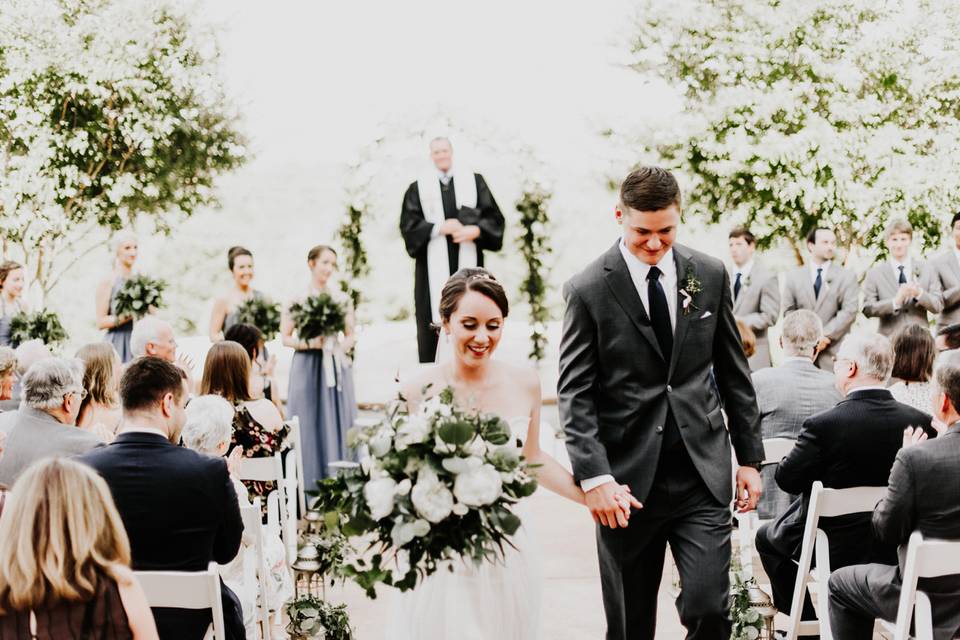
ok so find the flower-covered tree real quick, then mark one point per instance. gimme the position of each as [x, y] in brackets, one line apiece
[109, 110]
[844, 112]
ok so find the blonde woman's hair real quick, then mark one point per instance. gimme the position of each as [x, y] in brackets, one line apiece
[59, 534]
[99, 359]
[8, 360]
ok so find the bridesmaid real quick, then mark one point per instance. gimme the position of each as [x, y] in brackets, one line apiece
[224, 314]
[327, 407]
[119, 328]
[11, 286]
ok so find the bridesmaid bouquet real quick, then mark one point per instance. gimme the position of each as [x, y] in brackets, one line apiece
[41, 325]
[319, 316]
[262, 314]
[439, 485]
[137, 295]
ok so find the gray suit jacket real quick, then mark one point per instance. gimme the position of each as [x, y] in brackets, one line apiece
[922, 496]
[837, 305]
[758, 306]
[37, 435]
[9, 405]
[787, 395]
[946, 270]
[615, 385]
[880, 286]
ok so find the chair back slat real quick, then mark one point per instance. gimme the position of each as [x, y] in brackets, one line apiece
[261, 469]
[840, 502]
[186, 590]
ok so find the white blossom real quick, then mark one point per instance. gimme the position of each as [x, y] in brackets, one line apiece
[379, 494]
[478, 487]
[430, 496]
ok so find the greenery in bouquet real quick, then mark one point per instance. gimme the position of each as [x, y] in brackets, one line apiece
[439, 486]
[320, 315]
[41, 325]
[263, 314]
[138, 295]
[311, 617]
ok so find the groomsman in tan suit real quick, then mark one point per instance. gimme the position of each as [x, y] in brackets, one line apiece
[900, 290]
[756, 293]
[947, 269]
[829, 290]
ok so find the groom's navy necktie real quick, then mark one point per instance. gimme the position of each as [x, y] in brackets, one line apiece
[659, 312]
[818, 283]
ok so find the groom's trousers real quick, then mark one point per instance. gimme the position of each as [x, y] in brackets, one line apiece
[679, 511]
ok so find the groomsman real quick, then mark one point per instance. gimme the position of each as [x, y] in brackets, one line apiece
[947, 269]
[449, 218]
[827, 289]
[756, 293]
[899, 290]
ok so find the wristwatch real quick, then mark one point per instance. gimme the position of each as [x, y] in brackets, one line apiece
[755, 465]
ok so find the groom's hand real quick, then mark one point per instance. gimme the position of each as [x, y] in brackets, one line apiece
[609, 504]
[748, 489]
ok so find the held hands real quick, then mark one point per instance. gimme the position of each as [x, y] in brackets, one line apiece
[610, 504]
[748, 489]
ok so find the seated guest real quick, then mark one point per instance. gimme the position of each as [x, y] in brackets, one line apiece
[152, 336]
[948, 338]
[65, 560]
[913, 354]
[8, 372]
[100, 410]
[44, 426]
[261, 370]
[747, 338]
[921, 496]
[178, 506]
[850, 445]
[257, 425]
[208, 429]
[789, 394]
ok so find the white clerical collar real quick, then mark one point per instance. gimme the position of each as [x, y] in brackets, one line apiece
[145, 430]
[445, 176]
[668, 268]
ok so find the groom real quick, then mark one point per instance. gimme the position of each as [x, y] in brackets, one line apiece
[649, 355]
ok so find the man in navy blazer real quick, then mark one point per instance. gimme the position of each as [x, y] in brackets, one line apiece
[178, 506]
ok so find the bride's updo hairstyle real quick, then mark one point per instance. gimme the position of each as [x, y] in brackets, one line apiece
[471, 279]
[236, 252]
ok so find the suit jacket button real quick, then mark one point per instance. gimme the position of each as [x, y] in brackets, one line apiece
[659, 429]
[669, 389]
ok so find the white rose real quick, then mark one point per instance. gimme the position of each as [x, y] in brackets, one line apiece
[457, 465]
[381, 442]
[403, 487]
[402, 532]
[477, 447]
[431, 498]
[441, 447]
[420, 527]
[478, 487]
[415, 429]
[461, 509]
[379, 496]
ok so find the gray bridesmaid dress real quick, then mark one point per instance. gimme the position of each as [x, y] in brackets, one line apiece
[119, 336]
[6, 315]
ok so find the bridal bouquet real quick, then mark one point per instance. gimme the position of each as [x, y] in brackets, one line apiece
[41, 325]
[320, 315]
[137, 295]
[439, 485]
[262, 314]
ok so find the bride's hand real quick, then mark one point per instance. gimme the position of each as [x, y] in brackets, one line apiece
[625, 499]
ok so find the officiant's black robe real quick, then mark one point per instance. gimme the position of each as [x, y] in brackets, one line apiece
[416, 233]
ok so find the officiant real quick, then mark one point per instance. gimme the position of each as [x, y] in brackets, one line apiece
[449, 218]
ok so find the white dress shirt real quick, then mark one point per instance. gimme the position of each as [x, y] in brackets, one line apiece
[638, 273]
[155, 432]
[744, 272]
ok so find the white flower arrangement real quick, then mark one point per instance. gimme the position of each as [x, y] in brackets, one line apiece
[439, 486]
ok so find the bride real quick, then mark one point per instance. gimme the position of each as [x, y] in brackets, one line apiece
[495, 600]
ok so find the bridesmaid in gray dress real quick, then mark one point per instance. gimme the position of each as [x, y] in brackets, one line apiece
[321, 394]
[11, 286]
[119, 328]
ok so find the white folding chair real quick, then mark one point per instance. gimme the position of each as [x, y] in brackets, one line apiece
[186, 590]
[774, 450]
[925, 559]
[271, 470]
[824, 503]
[252, 526]
[294, 465]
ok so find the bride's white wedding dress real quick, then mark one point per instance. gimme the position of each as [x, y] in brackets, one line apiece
[493, 601]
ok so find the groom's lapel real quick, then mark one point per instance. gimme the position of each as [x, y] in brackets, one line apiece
[685, 267]
[621, 285]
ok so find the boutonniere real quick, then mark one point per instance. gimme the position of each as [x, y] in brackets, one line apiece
[746, 281]
[691, 287]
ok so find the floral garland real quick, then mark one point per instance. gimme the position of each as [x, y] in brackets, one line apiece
[355, 253]
[532, 242]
